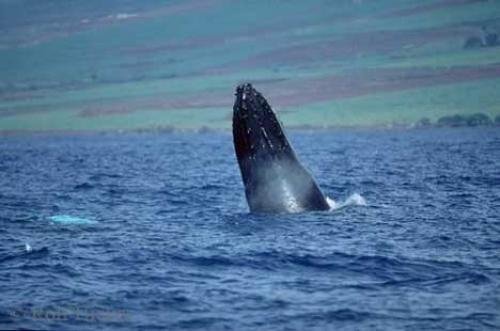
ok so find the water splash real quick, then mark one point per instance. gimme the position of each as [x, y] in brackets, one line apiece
[354, 199]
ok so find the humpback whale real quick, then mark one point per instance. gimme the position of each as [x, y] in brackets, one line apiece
[274, 179]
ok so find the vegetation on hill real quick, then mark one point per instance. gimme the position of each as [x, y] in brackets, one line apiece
[130, 65]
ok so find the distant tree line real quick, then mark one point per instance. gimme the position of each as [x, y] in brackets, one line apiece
[477, 119]
[487, 38]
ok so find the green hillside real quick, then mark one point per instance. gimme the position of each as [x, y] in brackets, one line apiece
[117, 65]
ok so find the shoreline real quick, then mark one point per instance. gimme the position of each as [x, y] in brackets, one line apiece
[207, 130]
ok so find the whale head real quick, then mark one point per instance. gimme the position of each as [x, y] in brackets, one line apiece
[257, 133]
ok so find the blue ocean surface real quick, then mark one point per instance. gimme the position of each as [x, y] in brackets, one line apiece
[152, 231]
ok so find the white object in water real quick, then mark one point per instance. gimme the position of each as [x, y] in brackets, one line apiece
[68, 219]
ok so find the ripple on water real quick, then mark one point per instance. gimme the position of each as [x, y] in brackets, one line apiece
[147, 225]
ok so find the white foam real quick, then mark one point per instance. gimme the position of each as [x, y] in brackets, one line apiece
[28, 247]
[331, 203]
[354, 199]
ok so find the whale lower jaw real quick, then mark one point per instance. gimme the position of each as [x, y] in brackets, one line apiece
[283, 187]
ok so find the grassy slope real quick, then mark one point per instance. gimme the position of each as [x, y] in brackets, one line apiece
[402, 107]
[205, 50]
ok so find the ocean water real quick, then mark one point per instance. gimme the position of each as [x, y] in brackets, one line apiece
[152, 231]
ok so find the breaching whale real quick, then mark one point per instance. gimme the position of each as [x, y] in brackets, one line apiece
[274, 179]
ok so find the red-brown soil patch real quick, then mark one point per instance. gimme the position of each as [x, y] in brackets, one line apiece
[288, 93]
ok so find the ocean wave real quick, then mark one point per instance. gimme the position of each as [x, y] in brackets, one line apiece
[83, 186]
[28, 252]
